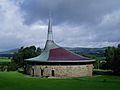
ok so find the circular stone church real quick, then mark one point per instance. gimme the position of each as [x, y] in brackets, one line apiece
[56, 61]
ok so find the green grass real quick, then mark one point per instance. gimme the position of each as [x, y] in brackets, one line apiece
[18, 81]
[4, 59]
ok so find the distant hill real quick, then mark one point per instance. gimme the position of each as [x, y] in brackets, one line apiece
[8, 53]
[93, 51]
[79, 50]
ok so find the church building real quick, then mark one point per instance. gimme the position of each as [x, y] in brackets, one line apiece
[56, 61]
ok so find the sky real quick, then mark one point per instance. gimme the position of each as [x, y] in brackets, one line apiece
[76, 23]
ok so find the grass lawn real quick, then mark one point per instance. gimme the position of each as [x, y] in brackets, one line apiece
[4, 59]
[18, 81]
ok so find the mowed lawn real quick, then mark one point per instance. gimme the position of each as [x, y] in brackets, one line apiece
[18, 81]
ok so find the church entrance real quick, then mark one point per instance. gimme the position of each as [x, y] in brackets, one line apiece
[53, 73]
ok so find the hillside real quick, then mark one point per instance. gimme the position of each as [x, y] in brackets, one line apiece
[8, 53]
[92, 51]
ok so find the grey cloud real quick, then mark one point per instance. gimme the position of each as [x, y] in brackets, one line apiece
[87, 23]
[9, 42]
[72, 11]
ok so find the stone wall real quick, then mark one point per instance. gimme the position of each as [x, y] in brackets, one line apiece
[60, 70]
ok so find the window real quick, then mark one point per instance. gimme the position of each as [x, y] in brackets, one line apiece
[42, 72]
[53, 73]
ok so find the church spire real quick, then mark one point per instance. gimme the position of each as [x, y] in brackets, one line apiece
[50, 34]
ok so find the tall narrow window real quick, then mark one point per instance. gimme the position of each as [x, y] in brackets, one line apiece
[53, 73]
[41, 72]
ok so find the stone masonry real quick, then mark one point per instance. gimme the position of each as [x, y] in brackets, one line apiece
[60, 70]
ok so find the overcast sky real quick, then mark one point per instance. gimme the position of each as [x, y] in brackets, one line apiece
[76, 23]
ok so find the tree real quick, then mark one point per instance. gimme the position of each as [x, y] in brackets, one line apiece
[109, 54]
[115, 63]
[112, 55]
[25, 53]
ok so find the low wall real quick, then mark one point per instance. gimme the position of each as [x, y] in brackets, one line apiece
[60, 70]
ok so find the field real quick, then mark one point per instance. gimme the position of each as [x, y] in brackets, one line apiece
[18, 81]
[4, 60]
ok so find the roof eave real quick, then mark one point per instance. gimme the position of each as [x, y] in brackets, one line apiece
[62, 61]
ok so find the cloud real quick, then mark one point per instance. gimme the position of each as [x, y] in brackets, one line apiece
[102, 34]
[76, 11]
[77, 23]
[14, 33]
[108, 28]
